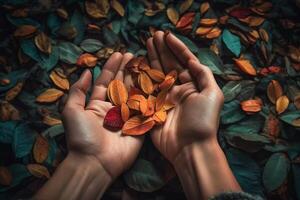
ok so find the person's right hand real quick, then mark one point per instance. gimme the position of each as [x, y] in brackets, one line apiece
[198, 99]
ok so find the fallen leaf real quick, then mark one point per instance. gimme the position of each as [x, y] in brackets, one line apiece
[5, 176]
[263, 34]
[51, 121]
[59, 81]
[169, 81]
[40, 149]
[184, 6]
[125, 113]
[94, 11]
[160, 99]
[156, 75]
[50, 95]
[8, 111]
[272, 126]
[204, 7]
[253, 20]
[145, 83]
[25, 31]
[208, 22]
[150, 106]
[38, 170]
[173, 15]
[185, 22]
[113, 119]
[251, 106]
[274, 91]
[115, 4]
[87, 60]
[160, 116]
[203, 30]
[282, 104]
[214, 33]
[137, 125]
[245, 66]
[43, 43]
[117, 92]
[13, 92]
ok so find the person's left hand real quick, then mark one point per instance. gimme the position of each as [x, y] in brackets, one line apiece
[83, 121]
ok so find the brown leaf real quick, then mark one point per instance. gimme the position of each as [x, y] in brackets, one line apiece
[169, 80]
[103, 5]
[25, 31]
[4, 81]
[125, 113]
[5, 176]
[173, 15]
[263, 34]
[43, 43]
[13, 92]
[282, 104]
[274, 91]
[296, 122]
[204, 7]
[40, 149]
[160, 99]
[272, 126]
[137, 125]
[297, 101]
[59, 81]
[50, 95]
[117, 7]
[150, 106]
[203, 30]
[184, 6]
[8, 111]
[38, 170]
[93, 10]
[156, 75]
[251, 106]
[160, 116]
[253, 21]
[245, 66]
[87, 60]
[117, 92]
[145, 83]
[185, 22]
[208, 22]
[51, 121]
[214, 33]
[62, 13]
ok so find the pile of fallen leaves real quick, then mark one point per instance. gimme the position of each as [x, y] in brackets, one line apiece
[145, 105]
[251, 46]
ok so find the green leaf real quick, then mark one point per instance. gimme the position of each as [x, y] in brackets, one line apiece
[24, 137]
[210, 59]
[246, 171]
[143, 177]
[290, 116]
[231, 90]
[232, 42]
[135, 11]
[69, 52]
[7, 130]
[54, 131]
[189, 43]
[252, 124]
[275, 171]
[231, 112]
[77, 20]
[91, 45]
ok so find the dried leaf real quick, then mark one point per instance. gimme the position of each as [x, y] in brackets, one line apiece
[25, 31]
[203, 30]
[208, 22]
[59, 81]
[125, 113]
[272, 126]
[62, 13]
[51, 121]
[281, 104]
[156, 75]
[8, 111]
[40, 149]
[137, 125]
[214, 33]
[87, 60]
[173, 15]
[204, 7]
[245, 66]
[263, 34]
[274, 91]
[115, 4]
[160, 116]
[50, 95]
[113, 119]
[253, 21]
[168, 106]
[13, 92]
[5, 176]
[117, 92]
[43, 43]
[38, 170]
[93, 10]
[160, 99]
[251, 106]
[145, 83]
[169, 80]
[185, 22]
[150, 106]
[184, 6]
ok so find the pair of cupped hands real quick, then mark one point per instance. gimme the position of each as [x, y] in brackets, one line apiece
[194, 119]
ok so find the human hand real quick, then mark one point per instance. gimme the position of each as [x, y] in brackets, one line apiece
[198, 99]
[83, 121]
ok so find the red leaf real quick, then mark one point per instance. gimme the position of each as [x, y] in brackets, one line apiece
[240, 13]
[113, 119]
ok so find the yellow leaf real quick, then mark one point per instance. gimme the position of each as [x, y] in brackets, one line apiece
[173, 15]
[117, 7]
[59, 81]
[282, 104]
[38, 170]
[50, 95]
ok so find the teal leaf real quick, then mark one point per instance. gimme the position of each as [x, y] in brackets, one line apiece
[91, 45]
[231, 112]
[290, 116]
[77, 20]
[143, 177]
[52, 152]
[232, 42]
[69, 52]
[53, 131]
[24, 137]
[14, 77]
[210, 59]
[231, 90]
[96, 73]
[189, 43]
[7, 130]
[135, 11]
[252, 124]
[275, 171]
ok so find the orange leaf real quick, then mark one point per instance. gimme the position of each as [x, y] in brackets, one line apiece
[134, 90]
[251, 106]
[51, 121]
[185, 21]
[117, 92]
[150, 106]
[13, 92]
[8, 111]
[168, 105]
[125, 113]
[245, 66]
[203, 30]
[133, 64]
[160, 116]
[25, 31]
[38, 170]
[87, 60]
[204, 7]
[137, 125]
[134, 102]
[208, 22]
[169, 80]
[274, 91]
[160, 99]
[59, 81]
[40, 149]
[253, 20]
[156, 75]
[145, 83]
[281, 104]
[50, 95]
[214, 33]
[5, 176]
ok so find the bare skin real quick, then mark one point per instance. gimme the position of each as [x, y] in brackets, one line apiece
[187, 139]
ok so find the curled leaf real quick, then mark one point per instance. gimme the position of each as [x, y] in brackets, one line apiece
[87, 60]
[43, 43]
[137, 125]
[60, 81]
[145, 83]
[40, 149]
[274, 91]
[38, 170]
[281, 104]
[117, 92]
[50, 95]
[169, 80]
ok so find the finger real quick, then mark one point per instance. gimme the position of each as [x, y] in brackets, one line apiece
[108, 73]
[77, 93]
[168, 60]
[152, 55]
[202, 74]
[126, 58]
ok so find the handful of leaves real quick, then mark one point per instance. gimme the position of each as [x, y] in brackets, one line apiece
[142, 107]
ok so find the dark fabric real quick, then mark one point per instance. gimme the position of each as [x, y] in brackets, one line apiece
[236, 196]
